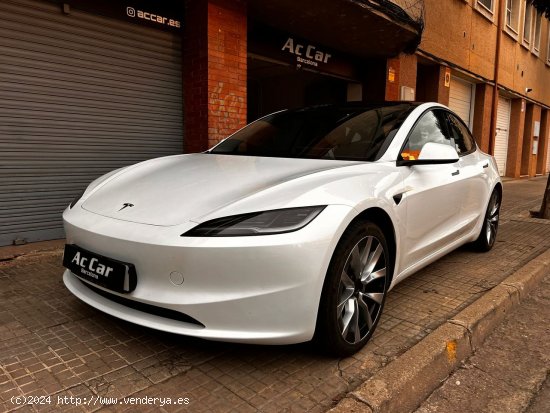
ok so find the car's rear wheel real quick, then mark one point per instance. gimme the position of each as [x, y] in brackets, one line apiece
[355, 290]
[488, 234]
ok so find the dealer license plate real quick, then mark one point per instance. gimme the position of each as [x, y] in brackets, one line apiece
[107, 272]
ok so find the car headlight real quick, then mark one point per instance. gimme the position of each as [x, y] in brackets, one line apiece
[257, 223]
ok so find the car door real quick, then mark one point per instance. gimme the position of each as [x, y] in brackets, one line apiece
[474, 181]
[432, 201]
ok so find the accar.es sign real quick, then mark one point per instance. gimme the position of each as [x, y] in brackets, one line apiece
[152, 17]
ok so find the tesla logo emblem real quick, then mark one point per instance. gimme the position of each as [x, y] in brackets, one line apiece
[126, 205]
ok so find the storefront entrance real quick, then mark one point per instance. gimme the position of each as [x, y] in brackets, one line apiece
[286, 71]
[274, 86]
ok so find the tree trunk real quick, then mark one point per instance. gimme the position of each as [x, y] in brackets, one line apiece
[545, 207]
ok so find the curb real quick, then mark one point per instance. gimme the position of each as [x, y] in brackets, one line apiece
[404, 383]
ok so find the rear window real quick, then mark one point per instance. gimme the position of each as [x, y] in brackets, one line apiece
[339, 133]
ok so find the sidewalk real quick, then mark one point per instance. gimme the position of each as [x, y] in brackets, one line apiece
[52, 344]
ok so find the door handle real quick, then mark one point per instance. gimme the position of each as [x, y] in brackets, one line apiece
[455, 173]
[486, 165]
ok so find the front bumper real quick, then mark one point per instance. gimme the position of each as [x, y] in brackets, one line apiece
[261, 289]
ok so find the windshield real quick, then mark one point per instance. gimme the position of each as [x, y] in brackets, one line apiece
[339, 133]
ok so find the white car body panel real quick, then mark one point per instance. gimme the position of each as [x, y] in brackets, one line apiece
[238, 287]
[265, 289]
[168, 198]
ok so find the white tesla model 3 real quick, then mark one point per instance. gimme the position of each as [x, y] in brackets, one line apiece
[293, 228]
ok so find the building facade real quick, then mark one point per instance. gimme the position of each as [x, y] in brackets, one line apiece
[88, 87]
[511, 122]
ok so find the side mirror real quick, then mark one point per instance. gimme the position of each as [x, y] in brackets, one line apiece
[432, 154]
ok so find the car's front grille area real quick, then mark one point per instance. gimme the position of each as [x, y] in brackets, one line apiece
[146, 308]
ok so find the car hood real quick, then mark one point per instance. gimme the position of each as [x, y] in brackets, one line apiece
[176, 189]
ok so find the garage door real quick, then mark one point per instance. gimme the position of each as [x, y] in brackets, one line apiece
[80, 95]
[503, 131]
[460, 99]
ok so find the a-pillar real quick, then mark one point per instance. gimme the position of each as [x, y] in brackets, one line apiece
[515, 138]
[214, 71]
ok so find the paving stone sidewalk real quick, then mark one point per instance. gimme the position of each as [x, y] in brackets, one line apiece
[51, 344]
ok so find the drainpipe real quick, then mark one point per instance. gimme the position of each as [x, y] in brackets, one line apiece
[494, 110]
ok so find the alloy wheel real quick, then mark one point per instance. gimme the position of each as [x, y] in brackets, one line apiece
[362, 289]
[492, 217]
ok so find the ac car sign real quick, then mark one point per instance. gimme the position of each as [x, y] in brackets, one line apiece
[306, 53]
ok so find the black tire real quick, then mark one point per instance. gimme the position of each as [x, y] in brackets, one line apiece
[488, 234]
[352, 300]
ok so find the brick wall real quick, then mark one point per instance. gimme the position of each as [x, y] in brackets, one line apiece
[226, 68]
[482, 115]
[515, 139]
[527, 140]
[528, 160]
[544, 141]
[400, 71]
[392, 78]
[214, 71]
[408, 71]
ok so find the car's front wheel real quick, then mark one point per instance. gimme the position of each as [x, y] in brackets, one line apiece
[355, 289]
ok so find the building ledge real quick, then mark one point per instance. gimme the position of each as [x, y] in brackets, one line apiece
[363, 28]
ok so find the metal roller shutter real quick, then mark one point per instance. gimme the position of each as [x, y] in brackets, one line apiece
[503, 131]
[460, 99]
[81, 95]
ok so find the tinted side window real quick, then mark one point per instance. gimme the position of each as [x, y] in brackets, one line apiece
[429, 128]
[463, 140]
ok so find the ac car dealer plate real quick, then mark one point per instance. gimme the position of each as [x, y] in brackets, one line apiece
[106, 272]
